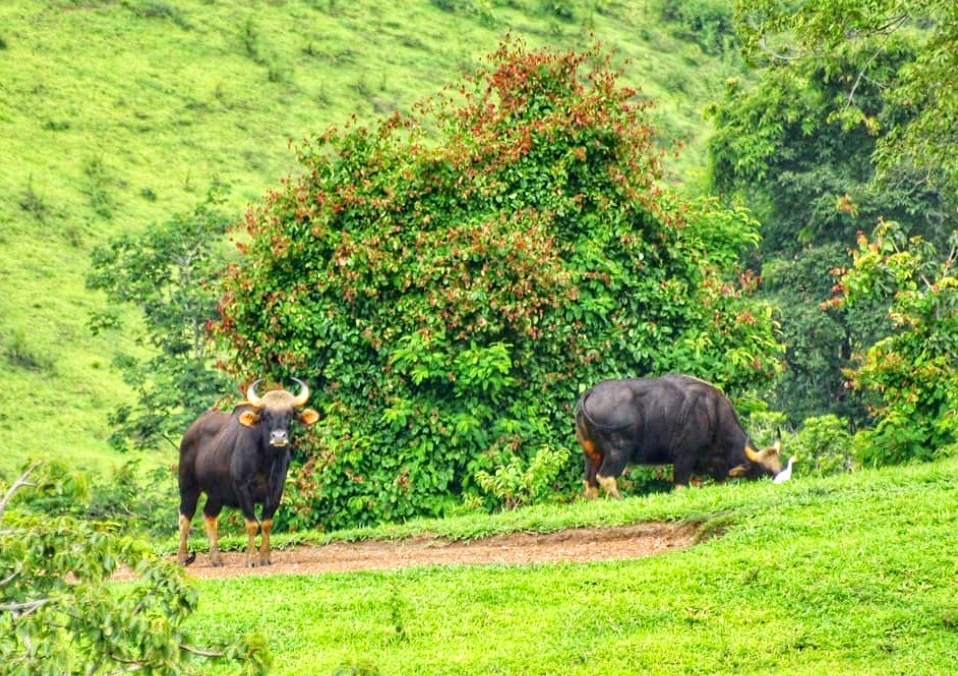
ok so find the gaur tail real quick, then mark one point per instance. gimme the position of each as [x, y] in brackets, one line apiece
[189, 559]
[583, 436]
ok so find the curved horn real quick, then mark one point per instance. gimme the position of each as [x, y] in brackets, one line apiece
[251, 395]
[752, 454]
[303, 395]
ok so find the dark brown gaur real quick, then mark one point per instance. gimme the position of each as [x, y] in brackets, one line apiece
[675, 419]
[240, 460]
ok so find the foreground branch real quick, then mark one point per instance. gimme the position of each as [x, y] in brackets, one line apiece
[25, 607]
[18, 484]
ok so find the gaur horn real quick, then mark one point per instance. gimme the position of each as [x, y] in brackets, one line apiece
[752, 454]
[303, 395]
[251, 395]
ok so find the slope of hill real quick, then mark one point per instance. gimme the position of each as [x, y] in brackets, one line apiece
[118, 113]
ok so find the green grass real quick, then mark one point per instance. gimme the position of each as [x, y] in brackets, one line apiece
[853, 574]
[114, 115]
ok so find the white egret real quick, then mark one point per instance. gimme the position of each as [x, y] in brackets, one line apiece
[786, 473]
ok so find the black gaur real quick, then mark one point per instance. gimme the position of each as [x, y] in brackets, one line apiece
[240, 460]
[675, 419]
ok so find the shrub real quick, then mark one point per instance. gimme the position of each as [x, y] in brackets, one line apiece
[514, 484]
[911, 374]
[765, 427]
[823, 446]
[458, 277]
[143, 502]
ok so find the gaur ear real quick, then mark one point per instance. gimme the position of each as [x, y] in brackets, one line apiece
[738, 471]
[308, 416]
[248, 418]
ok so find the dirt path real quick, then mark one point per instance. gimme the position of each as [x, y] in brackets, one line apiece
[577, 544]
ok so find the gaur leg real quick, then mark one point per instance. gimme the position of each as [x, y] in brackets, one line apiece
[682, 470]
[248, 507]
[265, 553]
[274, 495]
[188, 500]
[610, 485]
[613, 464]
[211, 513]
[589, 478]
[593, 458]
[685, 451]
[252, 526]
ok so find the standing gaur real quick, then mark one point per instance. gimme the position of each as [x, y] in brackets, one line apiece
[674, 419]
[240, 459]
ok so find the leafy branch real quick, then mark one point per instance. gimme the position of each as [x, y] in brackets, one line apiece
[67, 617]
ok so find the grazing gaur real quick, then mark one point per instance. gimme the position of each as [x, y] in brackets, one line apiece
[240, 459]
[674, 419]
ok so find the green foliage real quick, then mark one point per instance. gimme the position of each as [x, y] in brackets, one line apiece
[137, 500]
[788, 147]
[912, 372]
[783, 145]
[819, 335]
[514, 484]
[924, 83]
[457, 276]
[134, 501]
[822, 446]
[709, 23]
[176, 104]
[765, 427]
[62, 615]
[169, 273]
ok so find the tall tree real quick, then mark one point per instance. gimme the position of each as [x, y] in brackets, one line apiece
[458, 276]
[925, 84]
[806, 146]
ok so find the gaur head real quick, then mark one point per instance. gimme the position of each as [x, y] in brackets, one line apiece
[274, 411]
[767, 462]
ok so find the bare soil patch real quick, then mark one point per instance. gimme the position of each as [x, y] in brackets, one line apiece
[576, 544]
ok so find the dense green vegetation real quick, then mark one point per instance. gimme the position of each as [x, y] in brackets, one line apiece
[456, 291]
[843, 135]
[849, 574]
[65, 616]
[118, 115]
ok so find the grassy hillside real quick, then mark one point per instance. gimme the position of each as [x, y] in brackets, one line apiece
[118, 113]
[846, 575]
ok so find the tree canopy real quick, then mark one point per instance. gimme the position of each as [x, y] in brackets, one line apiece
[848, 131]
[923, 86]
